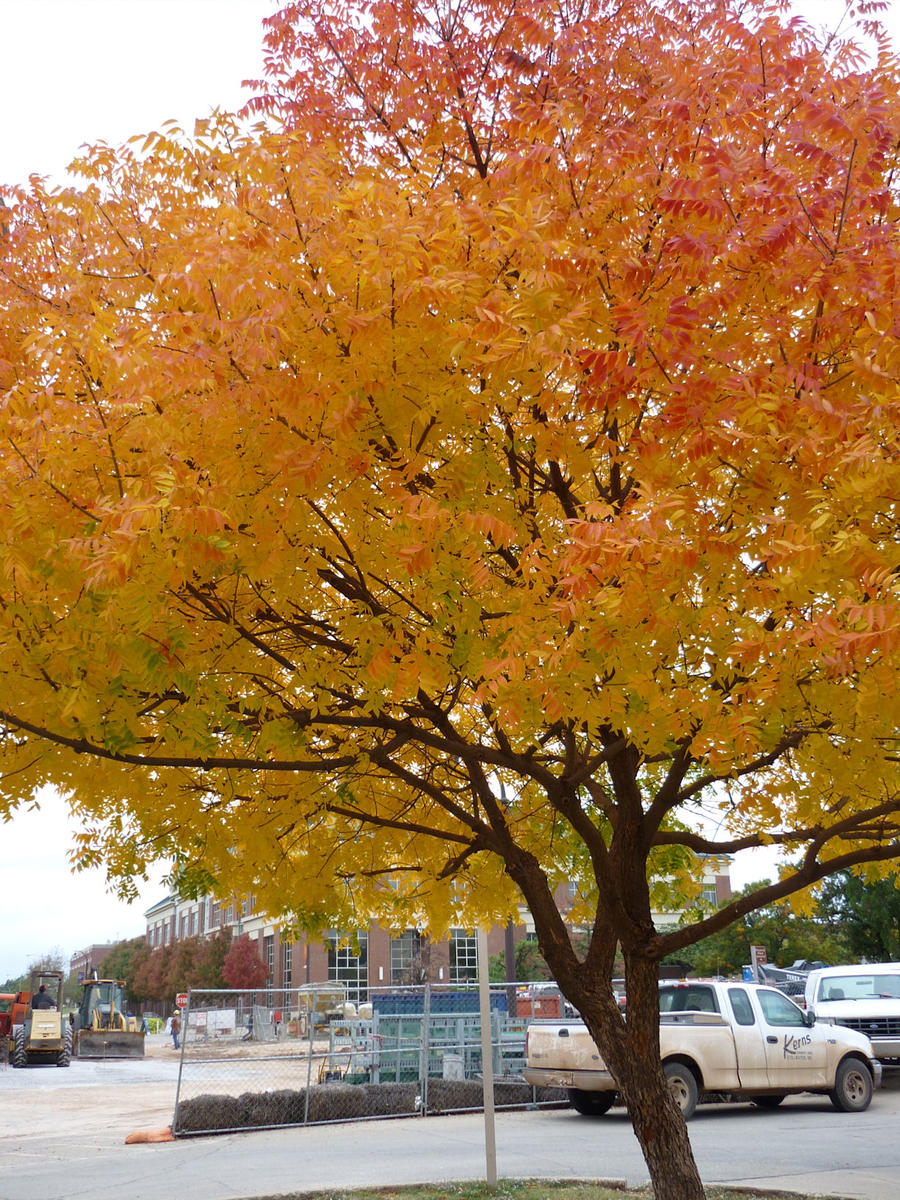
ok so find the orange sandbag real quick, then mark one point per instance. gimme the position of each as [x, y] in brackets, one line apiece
[149, 1135]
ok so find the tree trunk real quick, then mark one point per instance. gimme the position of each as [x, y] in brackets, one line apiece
[631, 1051]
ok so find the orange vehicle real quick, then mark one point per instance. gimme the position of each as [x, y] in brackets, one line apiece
[6, 1003]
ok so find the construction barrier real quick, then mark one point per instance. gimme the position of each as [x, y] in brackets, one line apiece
[254, 1060]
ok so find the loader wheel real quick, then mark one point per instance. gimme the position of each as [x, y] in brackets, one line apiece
[19, 1054]
[65, 1055]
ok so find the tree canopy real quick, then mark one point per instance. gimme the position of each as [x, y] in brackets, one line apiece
[481, 474]
[243, 967]
[865, 912]
[786, 935]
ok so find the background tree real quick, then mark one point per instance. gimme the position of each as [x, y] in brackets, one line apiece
[50, 960]
[159, 974]
[209, 970]
[124, 961]
[786, 935]
[243, 968]
[152, 977]
[529, 964]
[864, 913]
[480, 476]
[187, 955]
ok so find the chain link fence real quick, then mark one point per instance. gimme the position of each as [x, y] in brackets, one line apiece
[254, 1060]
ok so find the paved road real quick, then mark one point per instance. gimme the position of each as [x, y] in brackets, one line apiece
[64, 1137]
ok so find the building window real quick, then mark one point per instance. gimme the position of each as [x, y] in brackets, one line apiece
[287, 965]
[463, 956]
[348, 963]
[193, 922]
[183, 926]
[406, 957]
[269, 960]
[215, 914]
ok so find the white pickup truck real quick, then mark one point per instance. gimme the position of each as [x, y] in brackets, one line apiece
[738, 1039]
[865, 998]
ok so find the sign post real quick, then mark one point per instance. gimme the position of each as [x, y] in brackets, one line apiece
[487, 1060]
[758, 959]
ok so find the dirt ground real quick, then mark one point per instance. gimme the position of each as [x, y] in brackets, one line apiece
[160, 1047]
[95, 1114]
[100, 1103]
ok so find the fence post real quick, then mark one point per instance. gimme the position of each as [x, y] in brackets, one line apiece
[311, 1030]
[426, 1048]
[184, 1035]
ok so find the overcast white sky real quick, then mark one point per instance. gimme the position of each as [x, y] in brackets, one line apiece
[77, 71]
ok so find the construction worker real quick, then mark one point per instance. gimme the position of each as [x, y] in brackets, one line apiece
[42, 999]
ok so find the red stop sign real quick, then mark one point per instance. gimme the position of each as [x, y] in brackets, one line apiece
[181, 1000]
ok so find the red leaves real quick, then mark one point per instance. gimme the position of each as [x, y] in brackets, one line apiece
[692, 198]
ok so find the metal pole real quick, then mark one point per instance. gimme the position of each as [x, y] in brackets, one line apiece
[425, 1057]
[487, 1061]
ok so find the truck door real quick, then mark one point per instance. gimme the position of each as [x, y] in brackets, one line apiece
[796, 1053]
[749, 1041]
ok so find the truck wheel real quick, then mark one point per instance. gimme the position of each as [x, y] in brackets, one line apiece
[683, 1087]
[591, 1104]
[767, 1101]
[65, 1055]
[19, 1054]
[852, 1086]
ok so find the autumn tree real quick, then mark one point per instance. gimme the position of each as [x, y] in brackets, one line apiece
[243, 968]
[152, 978]
[210, 967]
[480, 474]
[160, 974]
[123, 962]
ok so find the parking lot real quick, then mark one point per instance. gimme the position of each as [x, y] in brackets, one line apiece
[64, 1135]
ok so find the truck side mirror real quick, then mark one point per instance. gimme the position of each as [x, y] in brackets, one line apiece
[809, 1017]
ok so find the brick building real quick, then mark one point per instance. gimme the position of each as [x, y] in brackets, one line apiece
[85, 962]
[375, 958]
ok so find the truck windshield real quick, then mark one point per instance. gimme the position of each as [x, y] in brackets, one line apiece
[859, 986]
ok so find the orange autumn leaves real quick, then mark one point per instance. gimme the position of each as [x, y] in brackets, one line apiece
[495, 407]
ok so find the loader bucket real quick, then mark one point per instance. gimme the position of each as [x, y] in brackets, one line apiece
[110, 1043]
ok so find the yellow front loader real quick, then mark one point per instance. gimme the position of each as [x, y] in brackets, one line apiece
[103, 1027]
